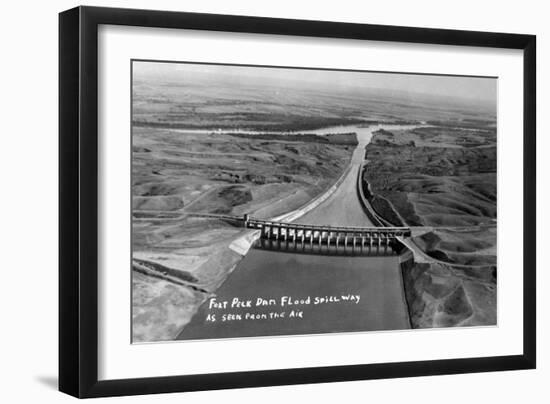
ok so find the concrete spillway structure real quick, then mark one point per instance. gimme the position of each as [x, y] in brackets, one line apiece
[323, 255]
[295, 237]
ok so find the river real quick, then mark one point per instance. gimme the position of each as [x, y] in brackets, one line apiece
[274, 277]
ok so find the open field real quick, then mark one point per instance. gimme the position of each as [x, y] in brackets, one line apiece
[220, 101]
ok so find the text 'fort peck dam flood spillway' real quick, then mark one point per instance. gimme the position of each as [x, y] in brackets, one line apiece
[270, 201]
[281, 275]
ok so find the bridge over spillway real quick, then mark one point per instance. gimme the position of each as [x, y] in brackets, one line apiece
[331, 249]
[321, 239]
[339, 240]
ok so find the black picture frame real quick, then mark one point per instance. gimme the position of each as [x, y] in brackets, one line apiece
[78, 200]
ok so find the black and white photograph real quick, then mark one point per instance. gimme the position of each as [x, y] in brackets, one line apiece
[282, 202]
[273, 201]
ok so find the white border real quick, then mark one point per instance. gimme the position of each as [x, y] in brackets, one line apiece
[119, 359]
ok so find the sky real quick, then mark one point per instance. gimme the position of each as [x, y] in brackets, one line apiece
[482, 90]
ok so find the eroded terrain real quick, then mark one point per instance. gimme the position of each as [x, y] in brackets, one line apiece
[442, 178]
